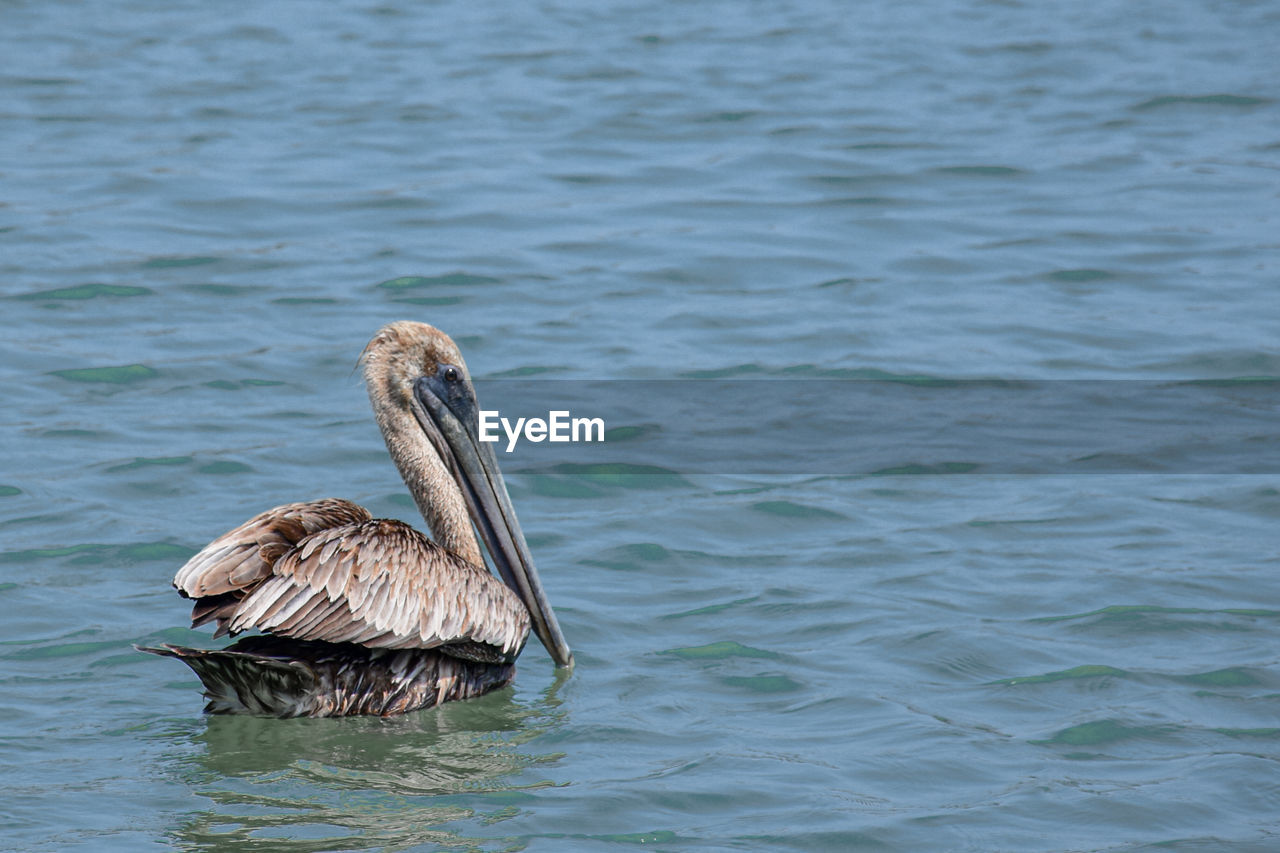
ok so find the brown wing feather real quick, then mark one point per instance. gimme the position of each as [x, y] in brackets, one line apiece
[242, 557]
[382, 584]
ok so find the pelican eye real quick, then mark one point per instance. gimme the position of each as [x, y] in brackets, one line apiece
[450, 373]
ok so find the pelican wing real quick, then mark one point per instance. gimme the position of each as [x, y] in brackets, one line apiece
[242, 557]
[382, 584]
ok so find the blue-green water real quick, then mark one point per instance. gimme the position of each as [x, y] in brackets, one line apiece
[207, 209]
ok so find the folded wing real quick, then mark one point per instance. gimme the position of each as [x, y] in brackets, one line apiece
[241, 558]
[326, 571]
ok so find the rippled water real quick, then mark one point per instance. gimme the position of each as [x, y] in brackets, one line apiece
[207, 210]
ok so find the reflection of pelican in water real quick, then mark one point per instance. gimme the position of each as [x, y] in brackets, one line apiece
[368, 616]
[417, 781]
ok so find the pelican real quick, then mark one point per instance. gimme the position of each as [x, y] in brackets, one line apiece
[364, 615]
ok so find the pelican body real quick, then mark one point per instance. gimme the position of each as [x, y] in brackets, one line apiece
[368, 616]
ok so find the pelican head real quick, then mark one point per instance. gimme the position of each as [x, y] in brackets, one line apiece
[426, 407]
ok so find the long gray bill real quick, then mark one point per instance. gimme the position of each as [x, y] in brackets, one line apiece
[449, 401]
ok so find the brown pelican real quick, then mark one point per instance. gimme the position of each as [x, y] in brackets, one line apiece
[365, 615]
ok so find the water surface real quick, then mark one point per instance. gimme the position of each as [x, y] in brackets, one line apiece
[207, 211]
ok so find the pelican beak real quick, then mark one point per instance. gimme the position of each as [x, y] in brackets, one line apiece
[450, 416]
